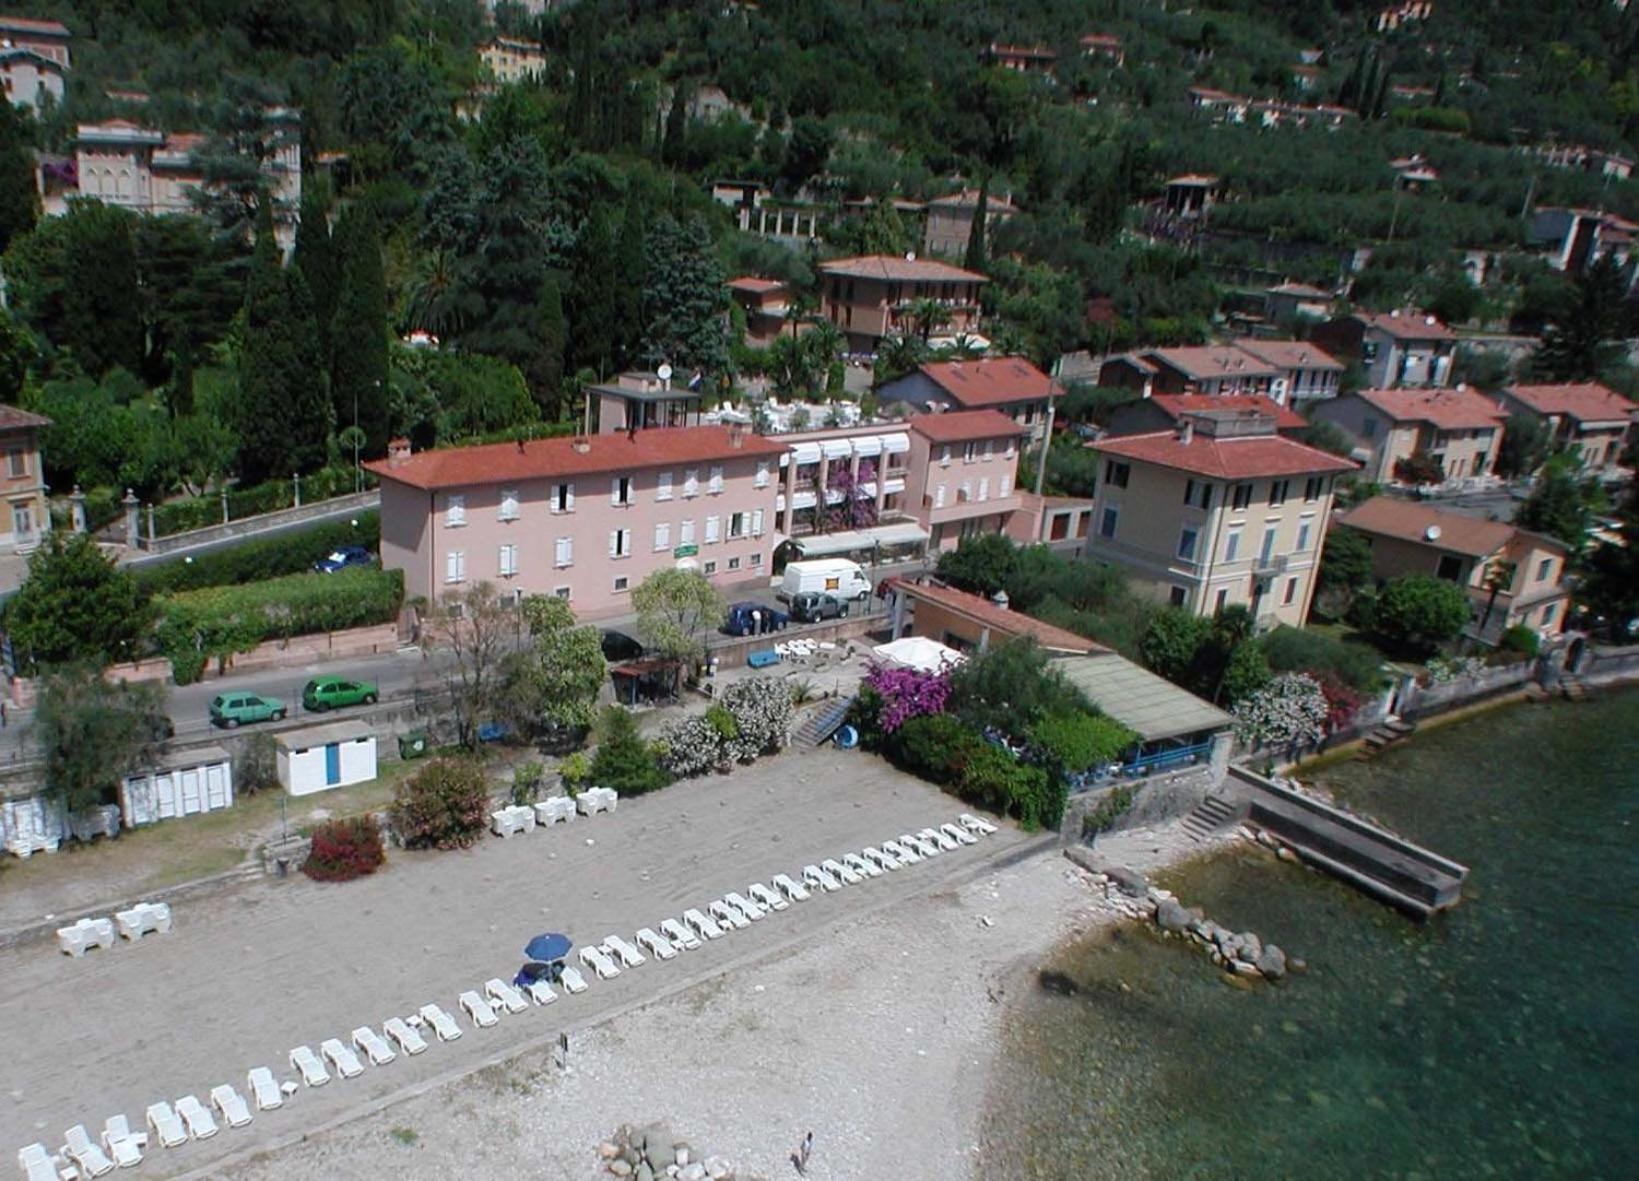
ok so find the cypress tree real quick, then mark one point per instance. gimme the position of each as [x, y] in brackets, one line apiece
[976, 245]
[358, 329]
[629, 261]
[102, 305]
[547, 382]
[594, 292]
[671, 147]
[19, 200]
[316, 254]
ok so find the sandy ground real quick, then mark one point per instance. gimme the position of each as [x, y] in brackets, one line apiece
[250, 973]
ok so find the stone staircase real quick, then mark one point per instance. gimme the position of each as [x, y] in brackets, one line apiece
[1571, 686]
[1391, 731]
[1212, 815]
[822, 723]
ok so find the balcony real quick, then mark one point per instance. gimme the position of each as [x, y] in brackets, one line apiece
[957, 509]
[1273, 565]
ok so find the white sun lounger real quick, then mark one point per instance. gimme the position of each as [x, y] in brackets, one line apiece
[945, 843]
[658, 945]
[903, 850]
[744, 905]
[201, 1125]
[958, 834]
[878, 858]
[540, 992]
[727, 915]
[35, 1161]
[165, 1125]
[346, 1062]
[617, 947]
[701, 925]
[409, 1038]
[573, 980]
[813, 875]
[124, 1145]
[373, 1045]
[230, 1104]
[861, 866]
[838, 870]
[503, 996]
[83, 1151]
[921, 844]
[790, 887]
[263, 1089]
[443, 1024]
[682, 938]
[766, 898]
[477, 1008]
[593, 957]
[976, 824]
[307, 1062]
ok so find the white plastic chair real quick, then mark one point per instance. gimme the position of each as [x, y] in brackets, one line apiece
[407, 1037]
[682, 938]
[263, 1089]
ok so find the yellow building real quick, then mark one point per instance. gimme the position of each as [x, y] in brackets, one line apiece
[1220, 512]
[511, 61]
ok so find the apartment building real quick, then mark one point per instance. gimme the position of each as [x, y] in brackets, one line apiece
[961, 474]
[821, 469]
[1591, 418]
[1011, 385]
[33, 62]
[949, 225]
[1162, 412]
[1460, 428]
[585, 518]
[1304, 372]
[879, 295]
[1206, 369]
[1512, 576]
[509, 60]
[1393, 348]
[766, 305]
[1220, 512]
[22, 481]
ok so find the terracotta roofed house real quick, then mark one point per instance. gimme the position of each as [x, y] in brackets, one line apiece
[1461, 428]
[1290, 301]
[1221, 511]
[960, 474]
[878, 295]
[1588, 416]
[1393, 348]
[1161, 412]
[966, 621]
[1105, 45]
[1306, 372]
[1511, 576]
[1025, 59]
[586, 519]
[1009, 384]
[1203, 369]
[950, 220]
[33, 61]
[766, 304]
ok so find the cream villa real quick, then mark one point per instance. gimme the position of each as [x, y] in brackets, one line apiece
[1459, 428]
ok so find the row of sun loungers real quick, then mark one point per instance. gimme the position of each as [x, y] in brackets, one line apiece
[133, 924]
[518, 818]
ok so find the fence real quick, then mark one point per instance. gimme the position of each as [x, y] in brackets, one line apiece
[268, 522]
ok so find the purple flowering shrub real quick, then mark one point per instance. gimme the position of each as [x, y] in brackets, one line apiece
[906, 693]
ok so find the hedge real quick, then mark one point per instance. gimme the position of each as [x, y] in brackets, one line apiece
[1291, 649]
[259, 560]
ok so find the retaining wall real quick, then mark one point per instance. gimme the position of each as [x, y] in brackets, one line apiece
[731, 651]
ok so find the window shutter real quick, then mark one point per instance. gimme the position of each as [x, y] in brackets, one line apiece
[939, 497]
[1005, 488]
[614, 542]
[756, 522]
[663, 486]
[685, 534]
[714, 527]
[662, 536]
[984, 488]
[762, 474]
[614, 490]
[716, 478]
[571, 496]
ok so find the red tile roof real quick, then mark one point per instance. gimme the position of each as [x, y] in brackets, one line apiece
[1411, 325]
[969, 199]
[755, 285]
[495, 463]
[26, 25]
[1448, 410]
[1290, 354]
[1301, 289]
[1584, 401]
[988, 614]
[890, 268]
[1244, 457]
[961, 426]
[1409, 520]
[1172, 405]
[13, 418]
[990, 381]
[1213, 361]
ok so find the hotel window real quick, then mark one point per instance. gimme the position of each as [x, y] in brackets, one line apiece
[620, 543]
[944, 457]
[756, 522]
[1312, 487]
[685, 533]
[663, 486]
[970, 452]
[990, 448]
[565, 555]
[1368, 428]
[1241, 497]
[715, 487]
[662, 536]
[736, 526]
[1548, 613]
[455, 511]
[1291, 591]
[1117, 474]
[691, 482]
[1221, 602]
[756, 561]
[1186, 544]
[1106, 525]
[622, 583]
[17, 458]
[1008, 454]
[1232, 544]
[1543, 568]
[509, 505]
[509, 560]
[1277, 492]
[714, 530]
[711, 568]
[620, 490]
[984, 488]
[561, 592]
[734, 563]
[455, 566]
[1198, 495]
[762, 474]
[939, 497]
[563, 498]
[1178, 596]
[1303, 533]
[1005, 486]
[1268, 550]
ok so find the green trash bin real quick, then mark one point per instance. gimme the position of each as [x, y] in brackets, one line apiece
[412, 745]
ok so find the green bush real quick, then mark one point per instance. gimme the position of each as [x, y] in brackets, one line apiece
[1079, 742]
[259, 560]
[1292, 649]
[1417, 613]
[1117, 802]
[624, 761]
[445, 806]
[994, 779]
[935, 747]
[1520, 639]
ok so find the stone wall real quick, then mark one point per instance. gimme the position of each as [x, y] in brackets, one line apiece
[731, 651]
[1602, 662]
[1156, 799]
[261, 523]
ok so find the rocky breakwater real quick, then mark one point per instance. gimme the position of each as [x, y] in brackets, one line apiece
[648, 1153]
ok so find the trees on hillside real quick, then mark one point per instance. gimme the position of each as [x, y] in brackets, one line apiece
[1583, 341]
[19, 198]
[684, 300]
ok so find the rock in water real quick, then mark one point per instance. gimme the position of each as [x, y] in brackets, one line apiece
[620, 1168]
[1130, 881]
[1272, 963]
[1250, 946]
[695, 1171]
[1171, 915]
[643, 1172]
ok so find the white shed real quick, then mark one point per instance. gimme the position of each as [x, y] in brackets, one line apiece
[182, 783]
[318, 758]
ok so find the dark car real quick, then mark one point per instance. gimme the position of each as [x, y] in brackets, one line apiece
[619, 647]
[740, 621]
[813, 606]
[344, 558]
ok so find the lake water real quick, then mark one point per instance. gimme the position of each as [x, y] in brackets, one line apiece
[1498, 1040]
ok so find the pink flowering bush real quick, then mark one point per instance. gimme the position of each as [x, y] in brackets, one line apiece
[906, 693]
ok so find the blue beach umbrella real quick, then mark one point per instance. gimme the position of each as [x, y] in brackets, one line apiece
[550, 946]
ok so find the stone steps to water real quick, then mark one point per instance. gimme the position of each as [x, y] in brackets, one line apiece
[1388, 733]
[1210, 816]
[1572, 688]
[823, 722]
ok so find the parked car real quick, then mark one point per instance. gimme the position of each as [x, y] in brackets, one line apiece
[618, 647]
[235, 709]
[740, 622]
[343, 558]
[322, 693]
[813, 606]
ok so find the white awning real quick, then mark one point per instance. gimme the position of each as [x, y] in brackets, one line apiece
[837, 448]
[868, 445]
[920, 653]
[834, 496]
[862, 541]
[868, 488]
[802, 453]
[896, 444]
[802, 498]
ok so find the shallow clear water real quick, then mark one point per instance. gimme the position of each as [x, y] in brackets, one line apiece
[1498, 1040]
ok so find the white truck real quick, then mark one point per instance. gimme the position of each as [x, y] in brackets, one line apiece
[836, 576]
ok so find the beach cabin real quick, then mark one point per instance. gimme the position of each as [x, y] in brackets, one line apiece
[181, 783]
[319, 758]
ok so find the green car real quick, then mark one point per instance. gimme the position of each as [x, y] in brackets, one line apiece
[231, 709]
[323, 693]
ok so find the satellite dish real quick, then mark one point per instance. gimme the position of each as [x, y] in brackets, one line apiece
[664, 373]
[1432, 533]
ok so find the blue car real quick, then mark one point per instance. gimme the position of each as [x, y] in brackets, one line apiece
[740, 623]
[343, 558]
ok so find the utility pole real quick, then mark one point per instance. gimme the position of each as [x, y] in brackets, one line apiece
[1041, 468]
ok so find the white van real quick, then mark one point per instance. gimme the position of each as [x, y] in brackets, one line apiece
[837, 576]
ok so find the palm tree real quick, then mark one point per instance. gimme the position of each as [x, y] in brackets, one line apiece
[440, 301]
[929, 314]
[1499, 576]
[800, 310]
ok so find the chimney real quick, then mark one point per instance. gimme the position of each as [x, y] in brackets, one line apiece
[582, 444]
[1186, 430]
[398, 450]
[737, 435]
[1000, 599]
